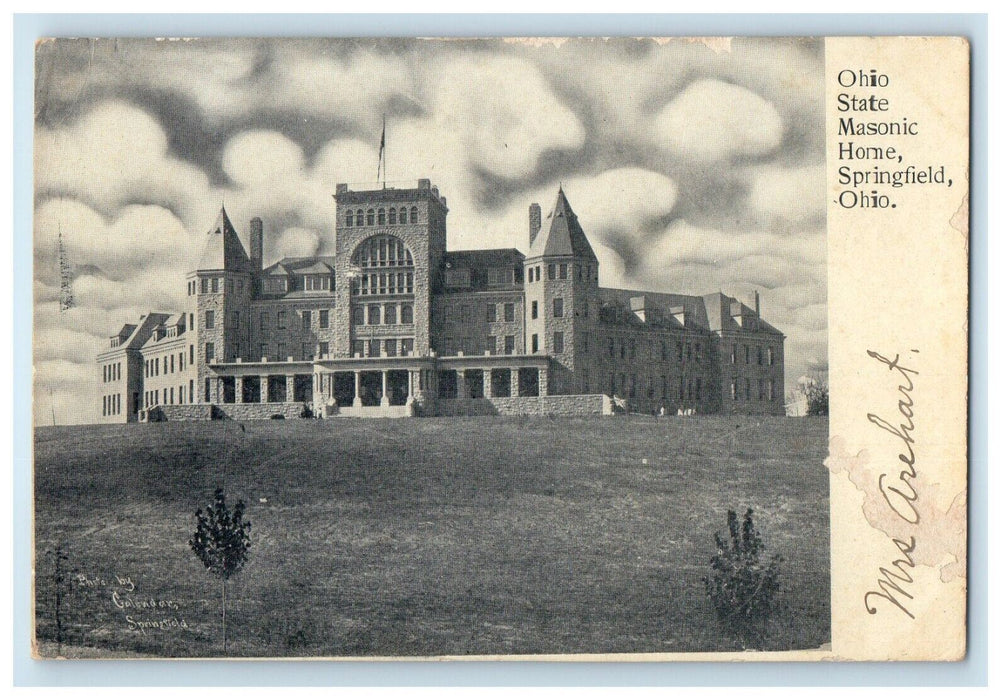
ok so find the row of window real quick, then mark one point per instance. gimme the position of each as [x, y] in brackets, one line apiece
[371, 216]
[212, 285]
[111, 405]
[373, 283]
[382, 251]
[309, 351]
[464, 313]
[471, 346]
[167, 396]
[555, 271]
[385, 347]
[156, 366]
[382, 314]
[746, 352]
[306, 316]
[741, 390]
[112, 372]
[278, 284]
[664, 387]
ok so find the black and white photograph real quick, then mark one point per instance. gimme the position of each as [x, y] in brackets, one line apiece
[374, 348]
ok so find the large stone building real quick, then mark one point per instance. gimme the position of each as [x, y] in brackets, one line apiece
[396, 324]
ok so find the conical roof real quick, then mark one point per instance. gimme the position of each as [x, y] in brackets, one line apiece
[223, 249]
[561, 234]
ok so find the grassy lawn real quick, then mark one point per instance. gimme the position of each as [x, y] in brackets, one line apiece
[430, 536]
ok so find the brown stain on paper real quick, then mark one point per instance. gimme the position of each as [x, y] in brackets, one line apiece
[940, 533]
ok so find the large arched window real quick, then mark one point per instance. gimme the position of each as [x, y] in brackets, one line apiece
[386, 267]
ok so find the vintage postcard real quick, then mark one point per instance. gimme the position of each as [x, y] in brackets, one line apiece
[586, 348]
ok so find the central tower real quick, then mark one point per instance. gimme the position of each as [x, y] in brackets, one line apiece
[390, 245]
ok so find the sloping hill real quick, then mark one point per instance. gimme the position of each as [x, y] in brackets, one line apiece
[428, 536]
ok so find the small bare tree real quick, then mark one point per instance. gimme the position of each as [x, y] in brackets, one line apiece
[221, 542]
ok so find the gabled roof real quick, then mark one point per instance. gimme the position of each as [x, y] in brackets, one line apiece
[561, 234]
[223, 249]
[719, 311]
[490, 257]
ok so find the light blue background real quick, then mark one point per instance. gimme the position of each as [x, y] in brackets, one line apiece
[27, 28]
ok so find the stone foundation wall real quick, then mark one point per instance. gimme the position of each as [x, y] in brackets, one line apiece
[258, 411]
[572, 405]
[184, 412]
[226, 411]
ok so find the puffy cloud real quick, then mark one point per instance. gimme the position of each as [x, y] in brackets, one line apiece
[713, 120]
[788, 196]
[115, 155]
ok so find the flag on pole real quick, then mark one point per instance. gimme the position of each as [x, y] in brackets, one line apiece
[381, 149]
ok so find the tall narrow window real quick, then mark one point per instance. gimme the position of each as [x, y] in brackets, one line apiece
[552, 271]
[323, 318]
[535, 307]
[414, 215]
[535, 342]
[491, 313]
[558, 342]
[209, 322]
[558, 307]
[509, 345]
[509, 312]
[349, 218]
[491, 344]
[360, 217]
[306, 320]
[370, 217]
[209, 352]
[407, 313]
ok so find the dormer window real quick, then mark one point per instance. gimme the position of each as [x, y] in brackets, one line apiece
[275, 285]
[317, 283]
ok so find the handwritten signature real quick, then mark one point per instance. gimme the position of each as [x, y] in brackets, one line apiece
[899, 493]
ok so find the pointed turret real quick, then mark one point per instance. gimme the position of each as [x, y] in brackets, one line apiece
[561, 234]
[223, 249]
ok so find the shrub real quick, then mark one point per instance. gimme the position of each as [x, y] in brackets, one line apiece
[221, 542]
[743, 589]
[817, 396]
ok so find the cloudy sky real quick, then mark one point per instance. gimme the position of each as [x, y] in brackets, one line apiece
[694, 166]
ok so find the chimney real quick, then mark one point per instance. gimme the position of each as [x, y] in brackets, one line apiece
[256, 244]
[756, 303]
[535, 221]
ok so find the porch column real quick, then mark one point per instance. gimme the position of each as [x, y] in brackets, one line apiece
[487, 384]
[543, 382]
[514, 381]
[384, 387]
[219, 390]
[409, 386]
[263, 388]
[460, 384]
[356, 389]
[290, 388]
[239, 389]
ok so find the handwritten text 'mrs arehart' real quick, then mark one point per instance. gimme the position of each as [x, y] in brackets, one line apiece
[899, 492]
